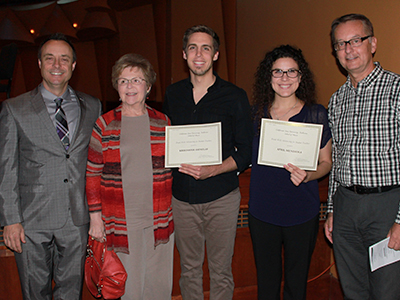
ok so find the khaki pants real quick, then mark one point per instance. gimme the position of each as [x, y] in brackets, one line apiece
[213, 224]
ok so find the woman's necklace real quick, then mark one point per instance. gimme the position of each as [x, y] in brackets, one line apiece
[278, 118]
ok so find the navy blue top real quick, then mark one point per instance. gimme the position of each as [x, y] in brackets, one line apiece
[273, 197]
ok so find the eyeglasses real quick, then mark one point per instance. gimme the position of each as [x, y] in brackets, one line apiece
[291, 73]
[356, 42]
[134, 81]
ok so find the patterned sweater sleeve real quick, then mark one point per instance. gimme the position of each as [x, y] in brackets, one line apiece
[94, 168]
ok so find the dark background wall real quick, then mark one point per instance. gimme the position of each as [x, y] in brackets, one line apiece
[263, 25]
[247, 29]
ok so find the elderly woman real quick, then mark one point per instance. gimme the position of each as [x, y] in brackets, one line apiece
[128, 188]
[284, 202]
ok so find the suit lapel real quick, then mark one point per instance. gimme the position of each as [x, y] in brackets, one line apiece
[81, 118]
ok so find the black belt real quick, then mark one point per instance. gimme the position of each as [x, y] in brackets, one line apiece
[358, 189]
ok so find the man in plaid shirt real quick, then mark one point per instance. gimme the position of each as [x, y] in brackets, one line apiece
[364, 193]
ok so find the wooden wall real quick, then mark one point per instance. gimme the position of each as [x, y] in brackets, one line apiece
[152, 28]
[263, 25]
[247, 29]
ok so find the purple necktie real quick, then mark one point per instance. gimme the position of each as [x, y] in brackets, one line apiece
[62, 125]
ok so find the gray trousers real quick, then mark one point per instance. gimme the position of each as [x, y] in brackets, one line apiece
[213, 224]
[358, 222]
[53, 254]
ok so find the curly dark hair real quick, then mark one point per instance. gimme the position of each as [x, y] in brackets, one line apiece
[264, 95]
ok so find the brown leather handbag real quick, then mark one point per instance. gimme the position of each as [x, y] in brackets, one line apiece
[105, 274]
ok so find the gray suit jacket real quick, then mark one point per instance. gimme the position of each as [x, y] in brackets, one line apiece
[40, 181]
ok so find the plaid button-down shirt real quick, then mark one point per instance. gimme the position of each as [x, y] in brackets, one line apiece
[365, 125]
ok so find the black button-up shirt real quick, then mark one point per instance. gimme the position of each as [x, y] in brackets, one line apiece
[225, 103]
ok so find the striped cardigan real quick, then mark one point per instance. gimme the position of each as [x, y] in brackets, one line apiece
[104, 180]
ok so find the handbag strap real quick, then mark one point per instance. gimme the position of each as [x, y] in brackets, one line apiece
[90, 245]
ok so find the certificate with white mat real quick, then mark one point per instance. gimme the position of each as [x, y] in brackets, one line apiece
[283, 142]
[198, 144]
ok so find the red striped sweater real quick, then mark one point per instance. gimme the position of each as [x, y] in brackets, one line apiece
[104, 180]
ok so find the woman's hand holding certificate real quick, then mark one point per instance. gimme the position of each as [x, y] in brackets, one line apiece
[284, 142]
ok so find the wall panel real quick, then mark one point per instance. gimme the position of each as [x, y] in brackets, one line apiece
[185, 14]
[263, 25]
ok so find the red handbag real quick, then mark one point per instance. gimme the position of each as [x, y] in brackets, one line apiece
[105, 274]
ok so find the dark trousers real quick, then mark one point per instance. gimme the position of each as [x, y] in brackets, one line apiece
[298, 244]
[360, 221]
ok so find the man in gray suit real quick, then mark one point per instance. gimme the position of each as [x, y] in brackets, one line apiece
[42, 176]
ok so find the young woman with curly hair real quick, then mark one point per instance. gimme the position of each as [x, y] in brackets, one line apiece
[284, 202]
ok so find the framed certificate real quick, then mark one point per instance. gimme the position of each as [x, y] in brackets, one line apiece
[199, 144]
[284, 142]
